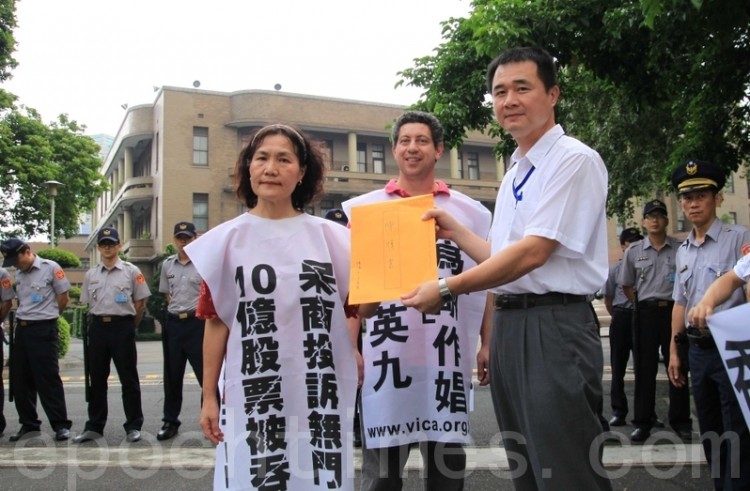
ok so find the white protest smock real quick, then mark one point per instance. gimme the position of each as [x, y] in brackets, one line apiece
[290, 375]
[418, 367]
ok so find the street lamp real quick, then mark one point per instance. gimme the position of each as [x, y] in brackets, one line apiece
[52, 189]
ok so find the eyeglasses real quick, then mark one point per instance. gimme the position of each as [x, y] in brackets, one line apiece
[107, 245]
[655, 216]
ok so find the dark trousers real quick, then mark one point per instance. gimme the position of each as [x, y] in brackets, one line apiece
[35, 370]
[652, 333]
[620, 346]
[2, 390]
[113, 342]
[724, 434]
[542, 358]
[444, 465]
[184, 343]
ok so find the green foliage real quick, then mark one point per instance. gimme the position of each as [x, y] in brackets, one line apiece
[646, 98]
[32, 153]
[75, 294]
[63, 331]
[65, 259]
[7, 41]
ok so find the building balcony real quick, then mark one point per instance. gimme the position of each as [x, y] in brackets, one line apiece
[356, 183]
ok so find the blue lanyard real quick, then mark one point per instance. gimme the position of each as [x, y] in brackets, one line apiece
[517, 193]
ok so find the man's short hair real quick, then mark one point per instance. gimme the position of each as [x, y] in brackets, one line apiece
[545, 64]
[436, 129]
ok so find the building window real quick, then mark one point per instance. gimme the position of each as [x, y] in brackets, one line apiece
[729, 218]
[729, 185]
[378, 159]
[200, 211]
[472, 164]
[326, 205]
[460, 165]
[361, 157]
[200, 145]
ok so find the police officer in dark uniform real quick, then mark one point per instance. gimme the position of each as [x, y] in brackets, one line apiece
[648, 272]
[42, 289]
[711, 249]
[116, 293]
[6, 303]
[620, 331]
[183, 334]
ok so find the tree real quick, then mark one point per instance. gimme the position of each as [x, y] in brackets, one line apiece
[7, 41]
[649, 84]
[33, 153]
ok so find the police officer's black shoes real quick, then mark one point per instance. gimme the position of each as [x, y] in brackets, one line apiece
[617, 421]
[640, 435]
[133, 436]
[62, 434]
[87, 436]
[23, 434]
[167, 431]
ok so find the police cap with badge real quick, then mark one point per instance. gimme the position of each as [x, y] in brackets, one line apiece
[695, 175]
[337, 215]
[108, 234]
[184, 228]
[10, 249]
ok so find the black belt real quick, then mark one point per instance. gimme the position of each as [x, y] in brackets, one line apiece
[529, 300]
[655, 304]
[182, 315]
[700, 338]
[106, 319]
[627, 310]
[35, 323]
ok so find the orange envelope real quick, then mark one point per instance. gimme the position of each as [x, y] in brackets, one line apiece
[393, 249]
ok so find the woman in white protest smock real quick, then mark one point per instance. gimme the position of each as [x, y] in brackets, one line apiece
[275, 288]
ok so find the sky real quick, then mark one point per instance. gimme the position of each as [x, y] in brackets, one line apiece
[87, 58]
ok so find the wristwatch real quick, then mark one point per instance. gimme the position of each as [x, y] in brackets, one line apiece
[445, 292]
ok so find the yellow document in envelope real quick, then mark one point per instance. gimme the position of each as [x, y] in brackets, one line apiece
[393, 249]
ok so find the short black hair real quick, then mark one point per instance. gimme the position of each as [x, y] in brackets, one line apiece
[545, 64]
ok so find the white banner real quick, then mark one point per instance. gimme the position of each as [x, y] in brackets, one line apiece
[730, 331]
[289, 375]
[418, 368]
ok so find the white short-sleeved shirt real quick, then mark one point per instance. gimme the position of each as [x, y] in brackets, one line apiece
[563, 198]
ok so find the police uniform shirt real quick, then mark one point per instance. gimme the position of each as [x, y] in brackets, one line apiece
[650, 272]
[558, 191]
[38, 289]
[742, 268]
[6, 288]
[698, 265]
[613, 289]
[182, 282]
[113, 291]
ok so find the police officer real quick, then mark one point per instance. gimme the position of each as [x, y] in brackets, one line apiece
[6, 302]
[620, 331]
[42, 295]
[183, 334]
[648, 272]
[116, 293]
[711, 250]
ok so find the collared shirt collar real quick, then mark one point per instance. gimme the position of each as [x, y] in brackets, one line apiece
[117, 265]
[393, 188]
[713, 232]
[647, 242]
[541, 148]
